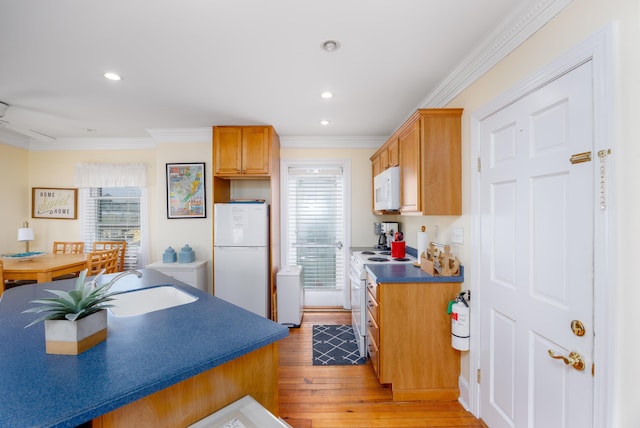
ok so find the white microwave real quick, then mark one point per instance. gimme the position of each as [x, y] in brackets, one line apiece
[386, 190]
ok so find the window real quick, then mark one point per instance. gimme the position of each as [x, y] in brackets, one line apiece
[115, 214]
[113, 207]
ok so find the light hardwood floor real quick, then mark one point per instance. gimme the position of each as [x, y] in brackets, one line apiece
[348, 396]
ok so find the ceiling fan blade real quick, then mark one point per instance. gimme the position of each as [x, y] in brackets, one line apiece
[27, 132]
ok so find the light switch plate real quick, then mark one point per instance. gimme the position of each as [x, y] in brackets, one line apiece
[457, 235]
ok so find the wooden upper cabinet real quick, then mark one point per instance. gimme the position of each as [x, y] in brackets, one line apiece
[240, 151]
[409, 144]
[393, 153]
[387, 156]
[427, 147]
[441, 161]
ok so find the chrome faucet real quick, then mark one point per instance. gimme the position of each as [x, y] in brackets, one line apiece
[125, 273]
[94, 282]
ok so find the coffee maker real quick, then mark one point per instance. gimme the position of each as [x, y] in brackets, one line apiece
[385, 232]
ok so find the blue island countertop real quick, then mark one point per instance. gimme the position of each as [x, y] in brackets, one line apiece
[142, 354]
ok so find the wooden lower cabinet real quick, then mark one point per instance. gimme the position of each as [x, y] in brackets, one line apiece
[409, 339]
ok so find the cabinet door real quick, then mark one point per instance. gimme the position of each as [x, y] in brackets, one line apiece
[410, 169]
[384, 160]
[227, 150]
[394, 153]
[376, 167]
[441, 163]
[256, 148]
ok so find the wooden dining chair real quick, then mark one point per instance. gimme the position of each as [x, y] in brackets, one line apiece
[1, 279]
[99, 260]
[68, 247]
[109, 245]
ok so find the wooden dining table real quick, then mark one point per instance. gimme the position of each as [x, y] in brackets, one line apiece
[44, 267]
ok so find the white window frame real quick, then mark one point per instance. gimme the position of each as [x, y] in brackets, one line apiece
[345, 164]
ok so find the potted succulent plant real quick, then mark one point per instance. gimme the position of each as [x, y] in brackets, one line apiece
[75, 320]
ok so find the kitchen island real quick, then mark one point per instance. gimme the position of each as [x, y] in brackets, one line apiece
[166, 368]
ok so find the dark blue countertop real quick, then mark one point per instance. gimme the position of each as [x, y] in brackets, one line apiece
[385, 273]
[142, 354]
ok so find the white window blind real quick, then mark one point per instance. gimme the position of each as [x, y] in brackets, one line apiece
[315, 225]
[113, 206]
[114, 214]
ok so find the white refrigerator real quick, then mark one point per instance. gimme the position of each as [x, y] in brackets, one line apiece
[241, 255]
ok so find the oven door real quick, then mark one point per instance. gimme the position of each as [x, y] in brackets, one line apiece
[357, 310]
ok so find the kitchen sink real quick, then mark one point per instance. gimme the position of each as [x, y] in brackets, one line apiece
[139, 302]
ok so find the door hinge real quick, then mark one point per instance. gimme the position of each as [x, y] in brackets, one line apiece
[479, 165]
[478, 376]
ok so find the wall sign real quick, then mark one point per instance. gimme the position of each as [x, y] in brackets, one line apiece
[185, 190]
[57, 203]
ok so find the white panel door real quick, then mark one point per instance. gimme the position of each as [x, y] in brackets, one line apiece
[537, 257]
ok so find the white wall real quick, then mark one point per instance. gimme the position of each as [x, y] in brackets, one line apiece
[578, 22]
[176, 233]
[56, 169]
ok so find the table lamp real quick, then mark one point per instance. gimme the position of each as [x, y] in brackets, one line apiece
[25, 234]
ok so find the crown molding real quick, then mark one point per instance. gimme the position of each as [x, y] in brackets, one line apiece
[313, 142]
[204, 135]
[181, 135]
[514, 31]
[94, 144]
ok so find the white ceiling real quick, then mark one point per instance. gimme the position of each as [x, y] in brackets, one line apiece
[190, 64]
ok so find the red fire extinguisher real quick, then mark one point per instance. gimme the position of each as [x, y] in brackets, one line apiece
[459, 310]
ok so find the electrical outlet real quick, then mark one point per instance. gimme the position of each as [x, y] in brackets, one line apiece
[457, 235]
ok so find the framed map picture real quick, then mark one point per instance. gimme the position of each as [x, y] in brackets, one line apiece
[47, 202]
[186, 197]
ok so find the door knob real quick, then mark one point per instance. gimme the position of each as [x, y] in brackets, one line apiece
[574, 359]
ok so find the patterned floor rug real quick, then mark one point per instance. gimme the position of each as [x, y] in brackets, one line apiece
[335, 345]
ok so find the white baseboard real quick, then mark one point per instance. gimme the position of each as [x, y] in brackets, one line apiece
[463, 385]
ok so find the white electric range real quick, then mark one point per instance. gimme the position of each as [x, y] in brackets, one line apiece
[358, 279]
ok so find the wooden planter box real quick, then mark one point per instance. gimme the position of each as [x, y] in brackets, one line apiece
[74, 337]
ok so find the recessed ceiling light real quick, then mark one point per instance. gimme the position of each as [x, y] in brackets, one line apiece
[330, 45]
[112, 76]
[326, 95]
[324, 122]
